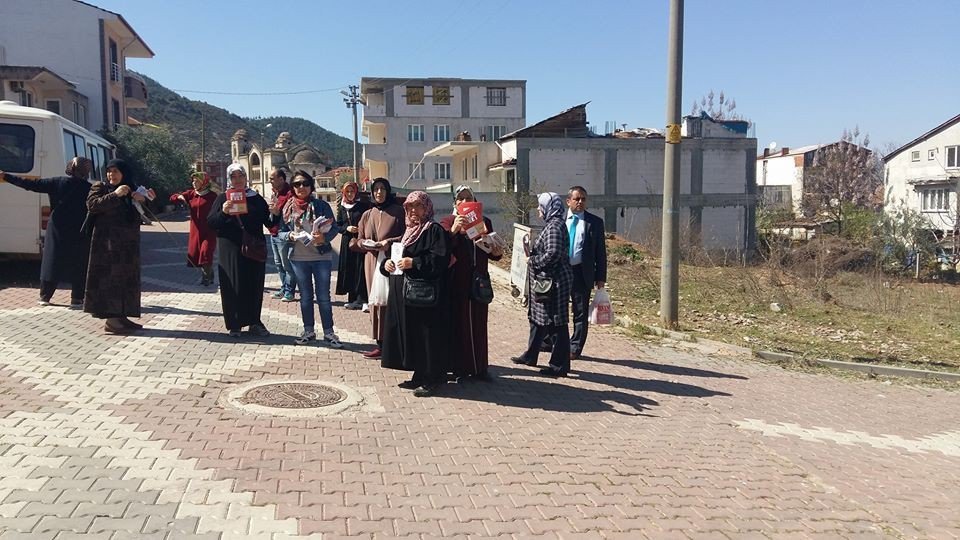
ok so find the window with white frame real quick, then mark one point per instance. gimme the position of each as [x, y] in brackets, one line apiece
[473, 165]
[415, 171]
[415, 132]
[496, 97]
[935, 200]
[915, 155]
[953, 156]
[463, 168]
[441, 171]
[931, 154]
[441, 133]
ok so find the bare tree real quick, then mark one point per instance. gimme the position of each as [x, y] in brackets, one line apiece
[843, 174]
[717, 107]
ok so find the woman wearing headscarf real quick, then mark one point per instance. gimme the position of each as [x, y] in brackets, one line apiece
[65, 249]
[350, 280]
[549, 258]
[311, 257]
[417, 338]
[378, 228]
[113, 276]
[469, 315]
[203, 240]
[241, 277]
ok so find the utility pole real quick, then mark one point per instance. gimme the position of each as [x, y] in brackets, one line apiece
[203, 149]
[351, 99]
[670, 239]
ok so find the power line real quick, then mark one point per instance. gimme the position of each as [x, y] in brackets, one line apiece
[320, 91]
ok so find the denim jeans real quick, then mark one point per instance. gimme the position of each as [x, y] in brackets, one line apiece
[281, 258]
[314, 276]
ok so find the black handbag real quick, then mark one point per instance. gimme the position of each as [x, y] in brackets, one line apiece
[420, 292]
[252, 246]
[481, 290]
[541, 287]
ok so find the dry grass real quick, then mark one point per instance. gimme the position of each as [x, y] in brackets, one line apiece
[854, 316]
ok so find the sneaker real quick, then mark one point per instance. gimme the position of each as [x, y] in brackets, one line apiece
[352, 306]
[332, 341]
[44, 302]
[305, 337]
[234, 333]
[259, 330]
[365, 308]
[277, 295]
[287, 298]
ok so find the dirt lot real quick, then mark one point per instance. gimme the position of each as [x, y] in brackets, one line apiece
[858, 316]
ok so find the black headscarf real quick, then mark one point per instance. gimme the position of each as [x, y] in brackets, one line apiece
[124, 169]
[388, 200]
[127, 180]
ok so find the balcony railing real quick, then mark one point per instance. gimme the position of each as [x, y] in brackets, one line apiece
[115, 72]
[135, 91]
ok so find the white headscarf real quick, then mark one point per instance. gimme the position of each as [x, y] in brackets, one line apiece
[551, 205]
[233, 167]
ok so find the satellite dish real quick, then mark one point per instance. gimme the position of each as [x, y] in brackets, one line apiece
[772, 145]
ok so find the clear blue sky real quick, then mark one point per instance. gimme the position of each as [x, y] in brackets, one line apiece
[802, 71]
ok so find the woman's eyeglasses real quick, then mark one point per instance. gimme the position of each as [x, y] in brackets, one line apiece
[300, 184]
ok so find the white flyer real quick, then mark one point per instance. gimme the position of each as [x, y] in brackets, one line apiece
[396, 253]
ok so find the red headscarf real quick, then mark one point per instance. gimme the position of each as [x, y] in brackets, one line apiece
[348, 204]
[415, 228]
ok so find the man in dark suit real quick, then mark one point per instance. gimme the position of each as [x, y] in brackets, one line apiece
[588, 257]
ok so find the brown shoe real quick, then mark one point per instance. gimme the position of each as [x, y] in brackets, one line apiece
[374, 354]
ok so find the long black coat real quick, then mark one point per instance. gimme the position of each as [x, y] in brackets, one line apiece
[241, 279]
[416, 338]
[65, 250]
[550, 257]
[350, 277]
[113, 276]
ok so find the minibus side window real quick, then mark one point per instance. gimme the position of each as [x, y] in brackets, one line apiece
[73, 145]
[17, 143]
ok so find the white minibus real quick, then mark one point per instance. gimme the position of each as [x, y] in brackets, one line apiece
[35, 143]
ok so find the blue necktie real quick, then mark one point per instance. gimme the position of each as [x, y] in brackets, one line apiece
[573, 233]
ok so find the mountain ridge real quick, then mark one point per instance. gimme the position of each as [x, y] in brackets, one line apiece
[182, 115]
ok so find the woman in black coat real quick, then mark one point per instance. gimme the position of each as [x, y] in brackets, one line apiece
[65, 249]
[350, 277]
[416, 338]
[241, 277]
[113, 276]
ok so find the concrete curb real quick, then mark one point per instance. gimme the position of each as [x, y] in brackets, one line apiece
[873, 369]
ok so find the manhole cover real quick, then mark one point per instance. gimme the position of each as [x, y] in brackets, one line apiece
[300, 398]
[293, 395]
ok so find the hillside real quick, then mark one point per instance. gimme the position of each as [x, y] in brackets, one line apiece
[182, 117]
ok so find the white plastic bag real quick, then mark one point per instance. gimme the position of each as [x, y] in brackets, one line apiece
[380, 286]
[601, 312]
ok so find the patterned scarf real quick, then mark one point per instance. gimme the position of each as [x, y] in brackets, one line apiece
[352, 201]
[551, 205]
[295, 208]
[416, 227]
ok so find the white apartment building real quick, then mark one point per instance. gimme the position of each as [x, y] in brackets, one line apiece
[83, 44]
[780, 177]
[924, 174]
[403, 118]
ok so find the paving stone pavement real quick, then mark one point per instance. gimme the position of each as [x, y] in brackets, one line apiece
[112, 437]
